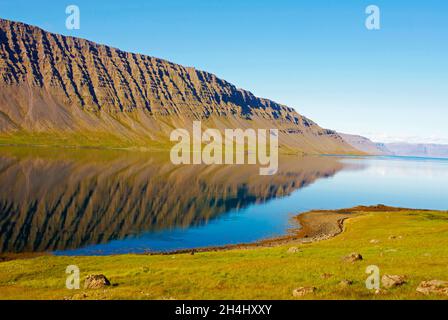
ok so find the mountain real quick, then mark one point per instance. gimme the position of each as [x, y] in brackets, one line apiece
[56, 89]
[403, 149]
[418, 150]
[365, 145]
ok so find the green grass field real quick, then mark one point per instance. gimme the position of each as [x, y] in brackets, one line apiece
[419, 251]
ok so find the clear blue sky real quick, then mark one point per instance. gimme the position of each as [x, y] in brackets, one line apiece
[315, 55]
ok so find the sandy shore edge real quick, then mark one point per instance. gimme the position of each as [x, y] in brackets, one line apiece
[312, 226]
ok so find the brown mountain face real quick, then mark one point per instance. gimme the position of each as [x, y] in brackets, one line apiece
[57, 89]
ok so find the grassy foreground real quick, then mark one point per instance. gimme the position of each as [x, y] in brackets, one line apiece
[411, 243]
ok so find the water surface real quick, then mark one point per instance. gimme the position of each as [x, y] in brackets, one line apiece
[85, 202]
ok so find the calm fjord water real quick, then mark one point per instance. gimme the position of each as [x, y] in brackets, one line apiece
[87, 202]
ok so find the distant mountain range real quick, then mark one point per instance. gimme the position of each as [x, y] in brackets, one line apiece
[364, 144]
[396, 149]
[64, 90]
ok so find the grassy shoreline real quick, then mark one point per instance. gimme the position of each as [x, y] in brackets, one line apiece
[407, 242]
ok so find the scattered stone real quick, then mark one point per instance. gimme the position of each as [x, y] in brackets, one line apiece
[390, 281]
[145, 269]
[293, 250]
[438, 287]
[374, 241]
[326, 275]
[302, 291]
[353, 257]
[380, 291]
[395, 237]
[96, 281]
[345, 283]
[79, 296]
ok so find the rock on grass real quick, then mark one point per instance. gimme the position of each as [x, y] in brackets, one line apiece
[303, 291]
[437, 287]
[353, 257]
[96, 281]
[389, 281]
[293, 250]
[345, 283]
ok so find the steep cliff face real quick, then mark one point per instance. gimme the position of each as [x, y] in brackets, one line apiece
[64, 87]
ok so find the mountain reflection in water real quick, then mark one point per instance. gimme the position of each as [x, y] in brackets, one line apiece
[62, 199]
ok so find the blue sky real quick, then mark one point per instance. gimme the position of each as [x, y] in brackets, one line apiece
[315, 55]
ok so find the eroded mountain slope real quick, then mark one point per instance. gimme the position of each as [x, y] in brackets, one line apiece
[63, 89]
